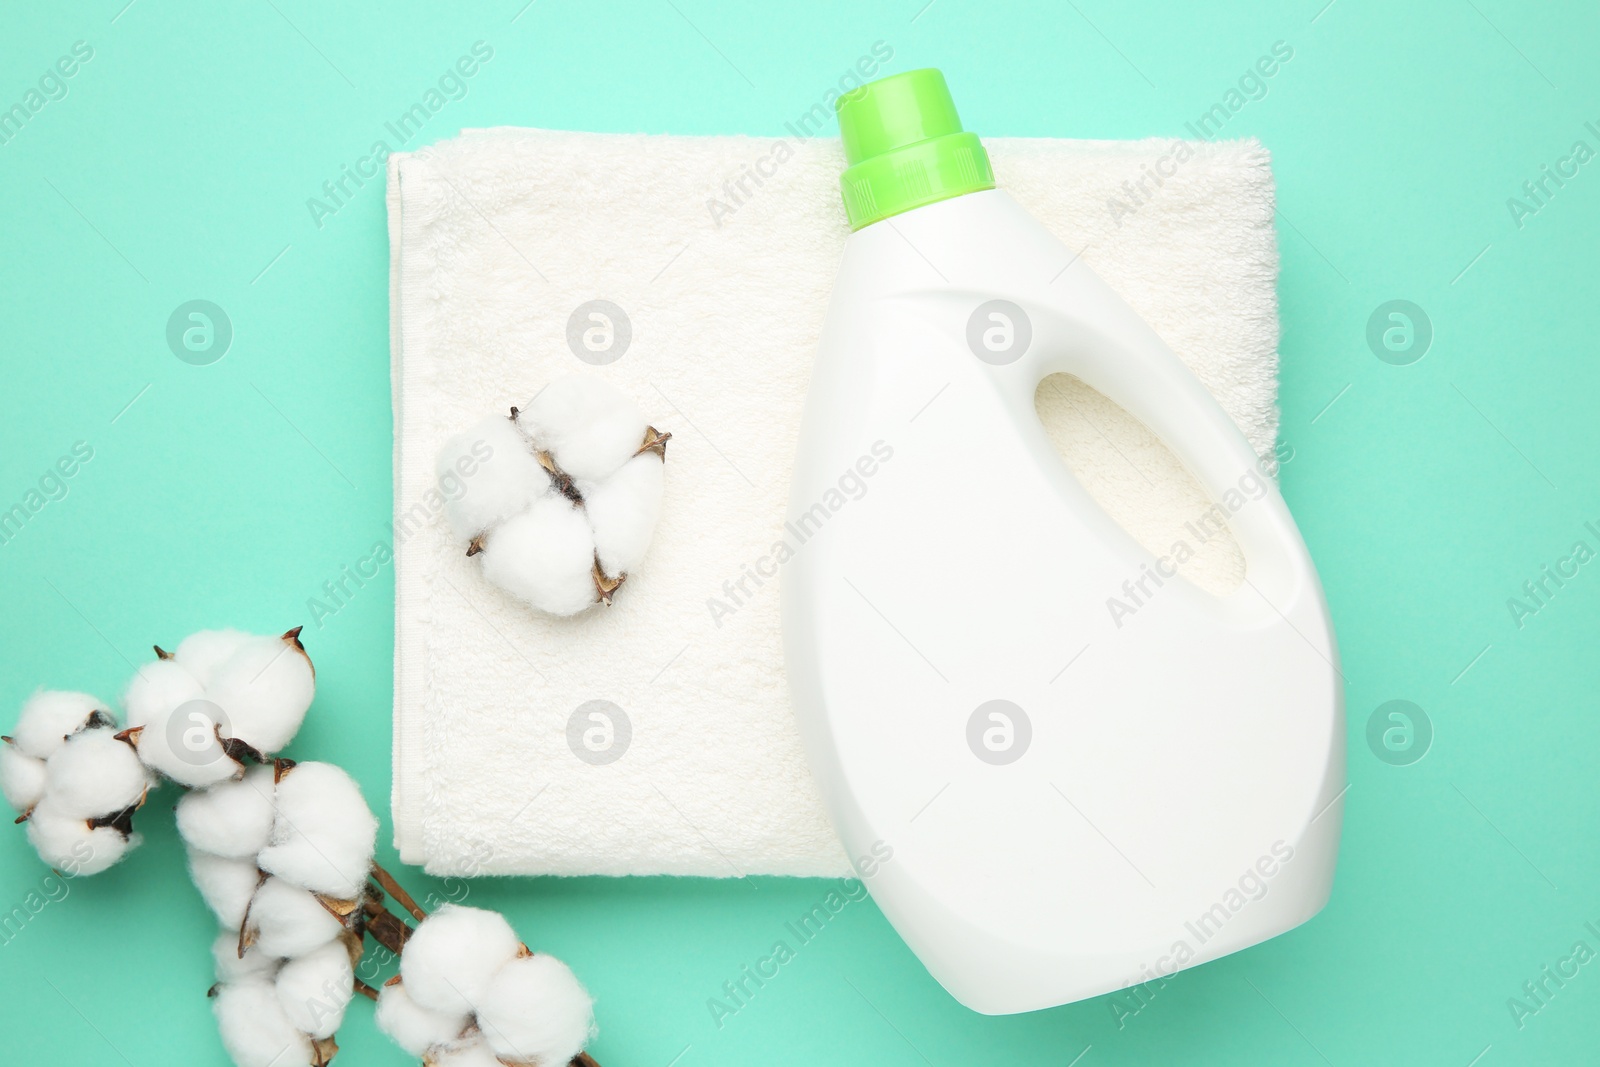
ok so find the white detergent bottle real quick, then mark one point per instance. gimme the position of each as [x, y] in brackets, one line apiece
[1049, 798]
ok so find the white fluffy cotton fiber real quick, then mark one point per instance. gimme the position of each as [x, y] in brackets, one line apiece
[288, 921]
[255, 1030]
[49, 716]
[94, 774]
[453, 956]
[413, 1027]
[232, 819]
[323, 833]
[315, 989]
[535, 1010]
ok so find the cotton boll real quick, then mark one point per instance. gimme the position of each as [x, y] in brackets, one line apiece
[324, 833]
[288, 921]
[254, 1028]
[181, 743]
[587, 425]
[544, 556]
[226, 885]
[203, 653]
[264, 689]
[536, 1011]
[156, 689]
[21, 777]
[413, 1027]
[231, 967]
[487, 475]
[448, 963]
[623, 511]
[94, 774]
[70, 845]
[315, 989]
[48, 717]
[232, 818]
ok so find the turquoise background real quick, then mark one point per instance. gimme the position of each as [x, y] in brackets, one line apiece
[178, 167]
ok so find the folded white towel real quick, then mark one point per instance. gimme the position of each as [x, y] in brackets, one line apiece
[721, 253]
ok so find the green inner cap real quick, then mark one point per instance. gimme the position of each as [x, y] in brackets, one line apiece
[905, 147]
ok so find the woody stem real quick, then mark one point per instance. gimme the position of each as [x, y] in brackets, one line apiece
[385, 927]
[394, 889]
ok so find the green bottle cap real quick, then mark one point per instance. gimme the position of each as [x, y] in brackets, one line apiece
[905, 147]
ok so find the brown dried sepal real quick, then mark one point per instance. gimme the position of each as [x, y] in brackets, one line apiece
[475, 545]
[121, 821]
[248, 933]
[654, 441]
[605, 586]
[292, 638]
[343, 910]
[241, 752]
[323, 1049]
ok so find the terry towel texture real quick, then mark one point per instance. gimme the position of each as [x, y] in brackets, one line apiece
[721, 253]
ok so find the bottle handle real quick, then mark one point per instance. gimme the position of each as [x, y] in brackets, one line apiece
[1114, 351]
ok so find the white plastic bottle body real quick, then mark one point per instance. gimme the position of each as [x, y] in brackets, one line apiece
[1075, 799]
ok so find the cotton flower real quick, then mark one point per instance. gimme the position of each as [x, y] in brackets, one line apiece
[413, 1027]
[535, 1011]
[466, 966]
[74, 781]
[323, 833]
[560, 500]
[228, 697]
[449, 962]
